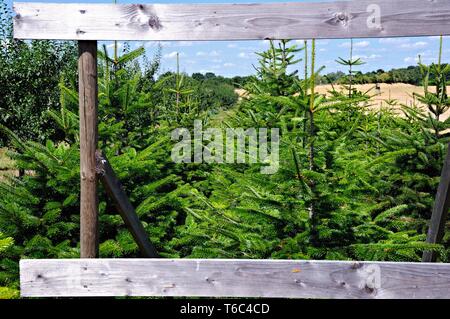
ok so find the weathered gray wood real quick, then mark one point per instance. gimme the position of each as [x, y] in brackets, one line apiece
[343, 19]
[440, 210]
[235, 278]
[115, 191]
[88, 91]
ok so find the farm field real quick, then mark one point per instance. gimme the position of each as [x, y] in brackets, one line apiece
[400, 92]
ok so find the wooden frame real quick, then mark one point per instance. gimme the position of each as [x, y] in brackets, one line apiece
[233, 278]
[343, 19]
[88, 23]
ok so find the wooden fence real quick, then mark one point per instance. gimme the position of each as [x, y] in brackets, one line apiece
[343, 19]
[233, 278]
[88, 23]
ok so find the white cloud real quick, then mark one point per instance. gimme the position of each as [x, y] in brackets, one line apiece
[361, 44]
[393, 40]
[246, 55]
[213, 53]
[111, 46]
[368, 57]
[421, 44]
[411, 60]
[416, 45]
[228, 65]
[232, 45]
[173, 55]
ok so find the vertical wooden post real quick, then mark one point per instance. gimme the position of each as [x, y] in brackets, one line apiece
[440, 210]
[87, 70]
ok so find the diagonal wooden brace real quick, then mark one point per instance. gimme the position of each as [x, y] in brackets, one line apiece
[115, 191]
[440, 210]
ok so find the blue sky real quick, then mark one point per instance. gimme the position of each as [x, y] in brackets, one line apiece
[237, 57]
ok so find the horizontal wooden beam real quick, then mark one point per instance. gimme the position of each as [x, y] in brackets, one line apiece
[233, 278]
[343, 19]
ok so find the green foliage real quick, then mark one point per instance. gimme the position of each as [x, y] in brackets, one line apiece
[179, 103]
[6, 292]
[350, 63]
[352, 184]
[40, 209]
[31, 72]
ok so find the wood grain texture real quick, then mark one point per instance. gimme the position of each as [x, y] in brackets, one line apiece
[120, 199]
[343, 19]
[88, 92]
[234, 278]
[440, 210]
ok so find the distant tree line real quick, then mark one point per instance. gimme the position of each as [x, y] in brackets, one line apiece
[236, 81]
[408, 75]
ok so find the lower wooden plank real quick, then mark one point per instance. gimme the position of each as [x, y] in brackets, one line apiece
[233, 278]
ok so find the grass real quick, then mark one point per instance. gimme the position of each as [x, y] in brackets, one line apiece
[6, 163]
[223, 115]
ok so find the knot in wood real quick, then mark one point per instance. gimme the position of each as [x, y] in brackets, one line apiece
[143, 16]
[339, 18]
[342, 16]
[154, 23]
